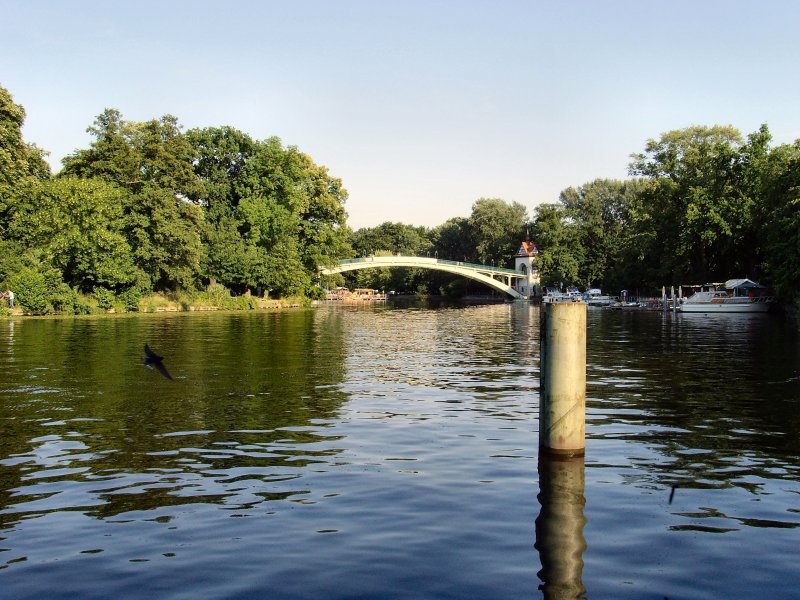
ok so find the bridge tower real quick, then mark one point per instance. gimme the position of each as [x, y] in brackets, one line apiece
[525, 262]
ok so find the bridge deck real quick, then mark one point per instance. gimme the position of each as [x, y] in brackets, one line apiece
[498, 278]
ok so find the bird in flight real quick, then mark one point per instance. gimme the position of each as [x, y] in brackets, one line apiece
[153, 361]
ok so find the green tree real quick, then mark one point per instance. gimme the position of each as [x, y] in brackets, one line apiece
[558, 240]
[293, 211]
[11, 260]
[22, 166]
[38, 288]
[77, 226]
[452, 240]
[228, 258]
[700, 208]
[389, 239]
[134, 154]
[164, 231]
[780, 220]
[219, 156]
[597, 209]
[323, 233]
[496, 227]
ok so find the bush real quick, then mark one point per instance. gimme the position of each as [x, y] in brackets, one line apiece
[67, 300]
[31, 290]
[316, 292]
[104, 297]
[245, 302]
[218, 295]
[131, 298]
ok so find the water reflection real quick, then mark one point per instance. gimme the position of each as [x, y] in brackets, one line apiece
[559, 527]
[703, 390]
[87, 427]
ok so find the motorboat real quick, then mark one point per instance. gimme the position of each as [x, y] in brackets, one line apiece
[555, 295]
[736, 296]
[595, 297]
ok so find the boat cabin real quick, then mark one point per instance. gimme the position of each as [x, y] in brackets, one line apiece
[744, 287]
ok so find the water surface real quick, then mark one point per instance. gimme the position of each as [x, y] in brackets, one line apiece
[380, 452]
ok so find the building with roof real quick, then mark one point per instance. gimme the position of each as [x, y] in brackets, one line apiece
[526, 262]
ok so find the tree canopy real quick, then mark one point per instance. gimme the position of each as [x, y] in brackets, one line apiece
[705, 204]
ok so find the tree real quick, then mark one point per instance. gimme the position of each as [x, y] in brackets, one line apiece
[22, 166]
[389, 239]
[558, 240]
[228, 258]
[780, 220]
[219, 156]
[164, 231]
[77, 226]
[496, 227]
[323, 232]
[452, 240]
[293, 210]
[599, 213]
[133, 154]
[698, 206]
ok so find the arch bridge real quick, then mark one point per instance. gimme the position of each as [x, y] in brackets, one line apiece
[498, 278]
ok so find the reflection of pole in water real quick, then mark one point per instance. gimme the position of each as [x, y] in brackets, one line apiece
[559, 527]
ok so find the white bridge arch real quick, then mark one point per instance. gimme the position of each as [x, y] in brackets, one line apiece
[496, 277]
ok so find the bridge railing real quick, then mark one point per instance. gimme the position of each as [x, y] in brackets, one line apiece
[439, 261]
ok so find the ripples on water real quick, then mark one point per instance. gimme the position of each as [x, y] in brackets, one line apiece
[379, 453]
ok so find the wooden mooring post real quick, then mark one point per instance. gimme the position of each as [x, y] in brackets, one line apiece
[562, 379]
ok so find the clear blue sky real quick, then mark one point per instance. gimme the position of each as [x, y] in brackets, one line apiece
[420, 106]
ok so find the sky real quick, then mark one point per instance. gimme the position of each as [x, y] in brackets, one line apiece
[420, 107]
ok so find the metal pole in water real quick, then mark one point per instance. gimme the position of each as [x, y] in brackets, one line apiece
[562, 379]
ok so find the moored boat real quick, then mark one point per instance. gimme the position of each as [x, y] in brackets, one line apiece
[594, 297]
[555, 295]
[738, 295]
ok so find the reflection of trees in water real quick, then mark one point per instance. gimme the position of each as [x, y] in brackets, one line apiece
[715, 394]
[247, 410]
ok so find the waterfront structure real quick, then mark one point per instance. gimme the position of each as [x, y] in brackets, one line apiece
[525, 262]
[521, 282]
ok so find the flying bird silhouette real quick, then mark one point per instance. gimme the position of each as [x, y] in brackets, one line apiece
[153, 361]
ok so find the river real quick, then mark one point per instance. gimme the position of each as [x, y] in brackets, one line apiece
[392, 452]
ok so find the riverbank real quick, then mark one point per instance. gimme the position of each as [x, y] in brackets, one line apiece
[211, 299]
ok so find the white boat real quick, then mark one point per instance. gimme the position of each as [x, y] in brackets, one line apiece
[594, 297]
[555, 295]
[739, 296]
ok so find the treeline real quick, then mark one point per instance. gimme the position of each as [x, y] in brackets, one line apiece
[150, 208]
[703, 205]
